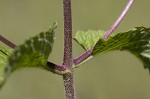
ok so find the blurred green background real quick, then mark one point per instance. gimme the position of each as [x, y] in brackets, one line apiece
[115, 75]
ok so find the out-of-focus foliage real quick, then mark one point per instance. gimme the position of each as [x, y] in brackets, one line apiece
[4, 54]
[33, 53]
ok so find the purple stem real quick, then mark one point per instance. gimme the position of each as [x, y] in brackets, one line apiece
[118, 21]
[56, 67]
[7, 42]
[85, 55]
[89, 52]
[68, 60]
[67, 34]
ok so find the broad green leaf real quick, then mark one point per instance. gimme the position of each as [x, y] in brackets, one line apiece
[4, 53]
[136, 41]
[34, 52]
[88, 39]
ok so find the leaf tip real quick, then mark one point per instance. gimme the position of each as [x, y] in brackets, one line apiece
[53, 26]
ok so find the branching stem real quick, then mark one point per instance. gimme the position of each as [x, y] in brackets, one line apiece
[68, 60]
[89, 52]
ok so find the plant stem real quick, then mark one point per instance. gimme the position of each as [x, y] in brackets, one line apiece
[118, 21]
[55, 67]
[68, 61]
[7, 42]
[84, 56]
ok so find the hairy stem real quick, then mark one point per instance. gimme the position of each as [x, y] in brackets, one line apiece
[118, 21]
[68, 62]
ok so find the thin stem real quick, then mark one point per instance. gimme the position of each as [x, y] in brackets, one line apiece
[84, 56]
[118, 21]
[7, 42]
[68, 61]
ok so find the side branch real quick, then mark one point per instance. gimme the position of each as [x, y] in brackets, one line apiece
[118, 21]
[88, 53]
[7, 42]
[83, 57]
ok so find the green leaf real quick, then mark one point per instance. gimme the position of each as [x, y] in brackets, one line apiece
[4, 53]
[136, 41]
[88, 39]
[34, 52]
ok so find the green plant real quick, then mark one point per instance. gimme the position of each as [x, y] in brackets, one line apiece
[35, 51]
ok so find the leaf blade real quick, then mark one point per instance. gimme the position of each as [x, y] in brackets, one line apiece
[135, 41]
[89, 38]
[34, 52]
